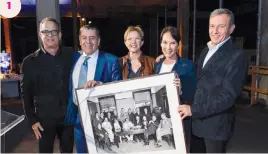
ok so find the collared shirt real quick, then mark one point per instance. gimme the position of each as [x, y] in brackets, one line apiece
[212, 50]
[92, 63]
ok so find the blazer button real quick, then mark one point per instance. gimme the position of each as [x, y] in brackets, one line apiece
[197, 90]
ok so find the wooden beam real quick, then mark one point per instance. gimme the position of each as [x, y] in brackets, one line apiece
[183, 16]
[256, 90]
[6, 23]
[262, 72]
[261, 67]
[8, 45]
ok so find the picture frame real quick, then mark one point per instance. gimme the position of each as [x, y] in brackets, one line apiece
[144, 108]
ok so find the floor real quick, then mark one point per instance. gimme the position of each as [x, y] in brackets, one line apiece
[135, 147]
[251, 131]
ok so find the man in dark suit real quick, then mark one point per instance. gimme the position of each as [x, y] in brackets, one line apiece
[146, 114]
[44, 89]
[131, 116]
[221, 70]
[110, 118]
[103, 137]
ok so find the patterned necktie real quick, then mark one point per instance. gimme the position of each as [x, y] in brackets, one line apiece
[83, 73]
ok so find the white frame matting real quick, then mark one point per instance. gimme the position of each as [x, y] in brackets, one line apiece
[165, 79]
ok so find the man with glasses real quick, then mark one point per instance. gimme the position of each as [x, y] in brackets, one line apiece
[44, 88]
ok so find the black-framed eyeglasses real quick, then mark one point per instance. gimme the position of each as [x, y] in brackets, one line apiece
[52, 32]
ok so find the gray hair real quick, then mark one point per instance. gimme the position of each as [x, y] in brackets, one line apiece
[224, 11]
[46, 19]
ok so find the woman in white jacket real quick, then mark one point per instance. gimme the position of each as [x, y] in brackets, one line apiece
[108, 127]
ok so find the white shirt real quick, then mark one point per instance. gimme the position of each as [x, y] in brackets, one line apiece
[212, 50]
[107, 126]
[127, 126]
[117, 127]
[92, 63]
[166, 68]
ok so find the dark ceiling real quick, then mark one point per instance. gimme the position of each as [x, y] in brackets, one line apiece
[107, 8]
[104, 8]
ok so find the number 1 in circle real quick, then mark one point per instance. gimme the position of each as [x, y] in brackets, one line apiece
[9, 5]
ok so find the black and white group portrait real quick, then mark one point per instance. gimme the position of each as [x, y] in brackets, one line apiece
[137, 119]
[132, 120]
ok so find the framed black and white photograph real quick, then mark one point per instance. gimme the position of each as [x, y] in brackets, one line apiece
[132, 116]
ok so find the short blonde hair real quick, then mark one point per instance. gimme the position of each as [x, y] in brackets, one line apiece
[134, 28]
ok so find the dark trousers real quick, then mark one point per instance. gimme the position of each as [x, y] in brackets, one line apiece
[201, 145]
[53, 128]
[187, 132]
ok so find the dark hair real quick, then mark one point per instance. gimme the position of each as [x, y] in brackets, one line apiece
[88, 27]
[164, 114]
[46, 19]
[173, 31]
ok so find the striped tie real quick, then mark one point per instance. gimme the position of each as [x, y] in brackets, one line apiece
[83, 73]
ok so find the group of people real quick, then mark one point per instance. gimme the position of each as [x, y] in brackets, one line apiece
[207, 91]
[103, 128]
[113, 125]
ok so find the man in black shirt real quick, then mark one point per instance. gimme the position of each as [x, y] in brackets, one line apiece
[44, 89]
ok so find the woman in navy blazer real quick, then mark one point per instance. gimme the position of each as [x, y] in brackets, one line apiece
[184, 68]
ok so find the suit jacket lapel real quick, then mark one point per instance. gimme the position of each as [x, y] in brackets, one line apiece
[72, 110]
[100, 66]
[75, 59]
[218, 54]
[177, 66]
[201, 60]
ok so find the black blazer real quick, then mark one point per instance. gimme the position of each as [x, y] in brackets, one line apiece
[136, 123]
[44, 86]
[219, 83]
